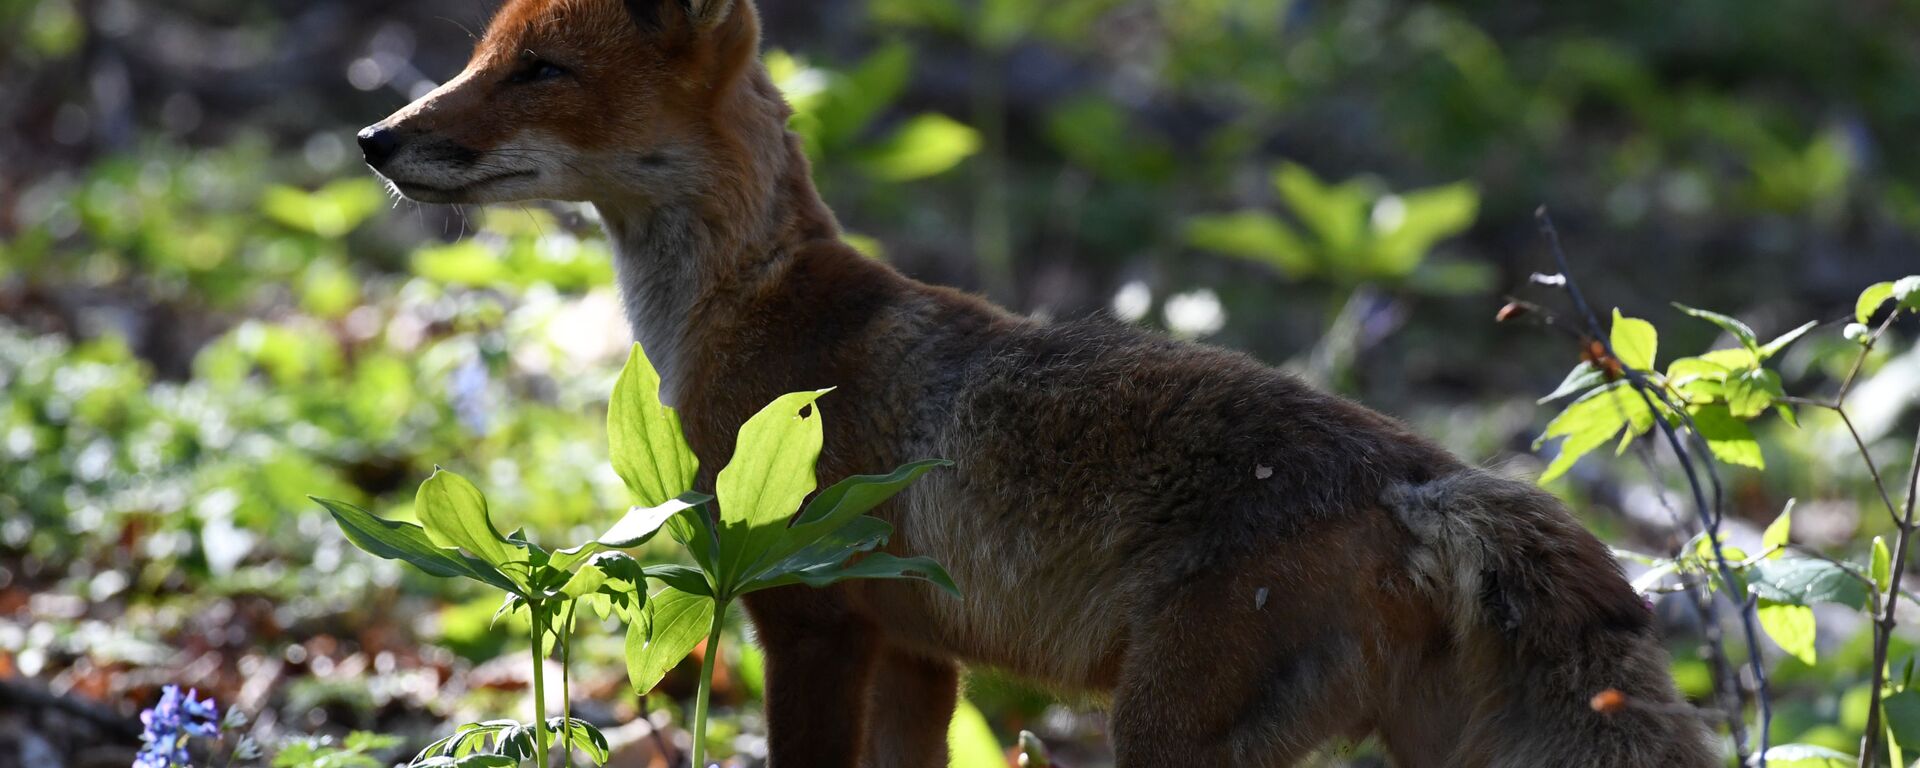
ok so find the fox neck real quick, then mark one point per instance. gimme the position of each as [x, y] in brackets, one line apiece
[684, 263]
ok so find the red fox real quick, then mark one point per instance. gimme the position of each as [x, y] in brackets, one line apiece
[1245, 569]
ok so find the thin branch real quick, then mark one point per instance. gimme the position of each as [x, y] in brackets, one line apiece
[1709, 515]
[1884, 624]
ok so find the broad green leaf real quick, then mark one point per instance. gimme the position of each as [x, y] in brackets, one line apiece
[672, 625]
[694, 529]
[409, 543]
[970, 742]
[770, 474]
[1773, 347]
[1778, 533]
[1591, 422]
[684, 578]
[632, 530]
[861, 534]
[877, 565]
[1791, 627]
[1752, 392]
[1634, 341]
[927, 145]
[1254, 235]
[1336, 213]
[1737, 359]
[1583, 377]
[1425, 217]
[455, 515]
[1689, 369]
[584, 581]
[1740, 330]
[1903, 718]
[581, 735]
[1805, 581]
[840, 503]
[1882, 570]
[644, 440]
[1730, 439]
[1807, 756]
[1870, 301]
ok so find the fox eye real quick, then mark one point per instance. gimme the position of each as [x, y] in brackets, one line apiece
[537, 70]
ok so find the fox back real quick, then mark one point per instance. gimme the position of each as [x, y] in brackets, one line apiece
[1243, 567]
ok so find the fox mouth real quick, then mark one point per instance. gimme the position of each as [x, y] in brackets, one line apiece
[417, 190]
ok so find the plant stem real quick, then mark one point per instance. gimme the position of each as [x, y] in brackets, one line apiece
[566, 689]
[539, 614]
[706, 686]
[1884, 623]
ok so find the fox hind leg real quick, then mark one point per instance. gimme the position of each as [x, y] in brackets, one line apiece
[909, 709]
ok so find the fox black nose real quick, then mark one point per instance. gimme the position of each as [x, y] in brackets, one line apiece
[378, 143]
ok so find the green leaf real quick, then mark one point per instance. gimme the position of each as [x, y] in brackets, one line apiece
[1634, 341]
[584, 581]
[1253, 235]
[1687, 370]
[1730, 440]
[409, 543]
[927, 145]
[1752, 392]
[1778, 533]
[1336, 213]
[770, 474]
[1591, 422]
[455, 515]
[1740, 330]
[1791, 627]
[1806, 581]
[582, 735]
[1427, 217]
[861, 534]
[970, 741]
[673, 624]
[1807, 756]
[632, 530]
[1773, 347]
[684, 578]
[1903, 718]
[644, 439]
[1882, 569]
[1583, 377]
[877, 565]
[840, 503]
[1870, 301]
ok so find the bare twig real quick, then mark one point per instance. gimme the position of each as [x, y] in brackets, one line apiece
[1884, 623]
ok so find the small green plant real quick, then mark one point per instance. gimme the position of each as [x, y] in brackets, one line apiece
[1704, 404]
[755, 542]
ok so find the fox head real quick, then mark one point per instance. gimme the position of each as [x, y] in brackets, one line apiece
[580, 100]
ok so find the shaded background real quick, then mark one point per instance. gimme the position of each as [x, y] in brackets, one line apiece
[209, 309]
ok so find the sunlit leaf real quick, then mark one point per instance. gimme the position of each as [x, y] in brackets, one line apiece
[1741, 331]
[1778, 533]
[1593, 421]
[1583, 377]
[674, 622]
[1752, 392]
[409, 543]
[1773, 347]
[455, 515]
[1807, 756]
[1254, 235]
[644, 439]
[1634, 341]
[1882, 570]
[1791, 627]
[770, 474]
[970, 741]
[927, 145]
[843, 501]
[1423, 218]
[1729, 438]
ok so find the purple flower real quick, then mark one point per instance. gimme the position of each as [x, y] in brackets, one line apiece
[170, 723]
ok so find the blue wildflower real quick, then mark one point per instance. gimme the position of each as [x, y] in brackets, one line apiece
[170, 723]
